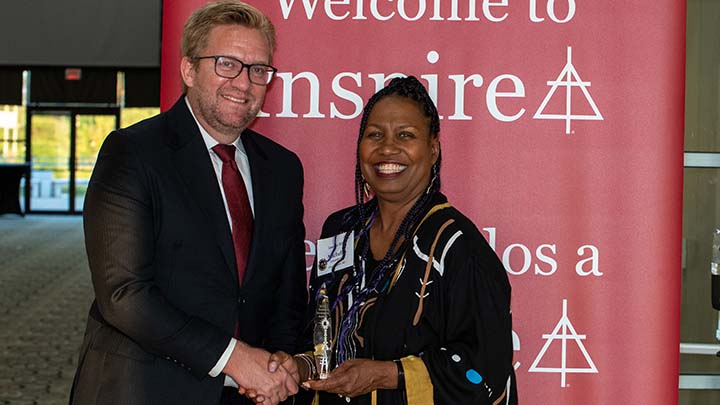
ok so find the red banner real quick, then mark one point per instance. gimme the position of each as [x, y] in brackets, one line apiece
[562, 136]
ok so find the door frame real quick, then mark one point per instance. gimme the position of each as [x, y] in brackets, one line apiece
[72, 112]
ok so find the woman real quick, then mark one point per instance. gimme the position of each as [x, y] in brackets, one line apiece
[420, 303]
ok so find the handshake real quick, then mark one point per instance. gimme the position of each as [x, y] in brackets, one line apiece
[266, 378]
[270, 378]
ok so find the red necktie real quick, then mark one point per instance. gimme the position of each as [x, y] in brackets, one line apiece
[238, 204]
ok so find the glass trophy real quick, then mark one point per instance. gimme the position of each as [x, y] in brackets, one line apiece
[322, 335]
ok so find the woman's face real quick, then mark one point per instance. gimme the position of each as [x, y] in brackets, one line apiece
[396, 150]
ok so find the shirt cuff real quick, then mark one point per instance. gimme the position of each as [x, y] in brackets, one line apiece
[220, 365]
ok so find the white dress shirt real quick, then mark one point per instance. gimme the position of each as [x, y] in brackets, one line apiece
[242, 162]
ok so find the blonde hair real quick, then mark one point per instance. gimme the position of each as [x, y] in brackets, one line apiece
[224, 12]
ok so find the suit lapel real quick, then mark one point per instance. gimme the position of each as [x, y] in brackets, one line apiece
[192, 163]
[260, 172]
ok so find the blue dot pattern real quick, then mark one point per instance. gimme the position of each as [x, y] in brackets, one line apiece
[473, 376]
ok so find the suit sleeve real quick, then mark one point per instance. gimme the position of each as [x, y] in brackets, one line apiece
[120, 242]
[291, 296]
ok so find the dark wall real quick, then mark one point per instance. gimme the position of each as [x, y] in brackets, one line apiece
[103, 33]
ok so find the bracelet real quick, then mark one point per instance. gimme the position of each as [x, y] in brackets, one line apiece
[309, 362]
[400, 374]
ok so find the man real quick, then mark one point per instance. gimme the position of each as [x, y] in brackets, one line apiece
[198, 267]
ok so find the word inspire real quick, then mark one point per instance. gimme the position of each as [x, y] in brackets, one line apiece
[414, 10]
[347, 86]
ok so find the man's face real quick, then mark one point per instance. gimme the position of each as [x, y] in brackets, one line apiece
[225, 107]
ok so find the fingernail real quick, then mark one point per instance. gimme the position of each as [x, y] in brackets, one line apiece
[306, 385]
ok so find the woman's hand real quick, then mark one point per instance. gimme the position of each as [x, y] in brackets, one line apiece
[357, 377]
[286, 361]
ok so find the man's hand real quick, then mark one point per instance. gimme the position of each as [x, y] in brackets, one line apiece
[277, 360]
[357, 377]
[248, 367]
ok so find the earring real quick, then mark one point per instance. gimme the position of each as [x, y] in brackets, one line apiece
[427, 190]
[366, 189]
[434, 173]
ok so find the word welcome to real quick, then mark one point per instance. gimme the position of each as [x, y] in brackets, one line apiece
[414, 10]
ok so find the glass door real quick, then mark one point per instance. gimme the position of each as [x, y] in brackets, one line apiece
[699, 380]
[63, 149]
[49, 161]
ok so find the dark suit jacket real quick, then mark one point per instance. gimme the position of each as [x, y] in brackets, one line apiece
[163, 269]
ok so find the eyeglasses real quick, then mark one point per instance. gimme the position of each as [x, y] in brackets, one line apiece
[230, 68]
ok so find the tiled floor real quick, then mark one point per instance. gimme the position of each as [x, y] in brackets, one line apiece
[45, 293]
